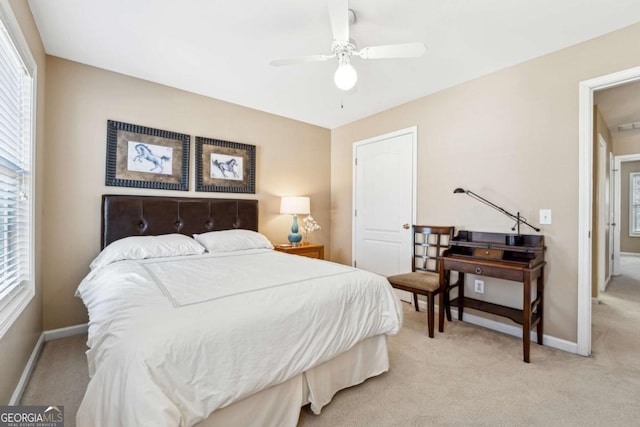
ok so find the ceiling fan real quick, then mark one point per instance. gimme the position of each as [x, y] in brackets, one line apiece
[343, 48]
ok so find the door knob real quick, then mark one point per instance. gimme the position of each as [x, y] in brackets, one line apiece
[406, 226]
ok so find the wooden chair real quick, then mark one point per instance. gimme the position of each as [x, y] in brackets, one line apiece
[429, 242]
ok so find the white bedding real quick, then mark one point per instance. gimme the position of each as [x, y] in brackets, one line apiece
[172, 340]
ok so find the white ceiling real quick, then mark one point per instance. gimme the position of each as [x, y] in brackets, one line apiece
[222, 49]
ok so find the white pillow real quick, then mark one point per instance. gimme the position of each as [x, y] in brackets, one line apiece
[232, 240]
[141, 247]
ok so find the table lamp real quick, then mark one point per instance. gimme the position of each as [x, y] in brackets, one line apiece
[295, 205]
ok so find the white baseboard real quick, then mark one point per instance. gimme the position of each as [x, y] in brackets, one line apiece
[45, 336]
[69, 331]
[629, 253]
[26, 373]
[516, 331]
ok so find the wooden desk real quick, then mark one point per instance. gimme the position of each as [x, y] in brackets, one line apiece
[310, 250]
[489, 256]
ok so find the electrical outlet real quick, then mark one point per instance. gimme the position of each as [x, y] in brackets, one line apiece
[479, 286]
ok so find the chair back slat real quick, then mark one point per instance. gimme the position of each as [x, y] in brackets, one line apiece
[429, 242]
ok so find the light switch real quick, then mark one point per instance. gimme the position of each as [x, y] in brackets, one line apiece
[545, 216]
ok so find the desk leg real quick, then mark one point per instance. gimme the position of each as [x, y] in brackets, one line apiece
[540, 294]
[441, 312]
[441, 296]
[526, 315]
[460, 295]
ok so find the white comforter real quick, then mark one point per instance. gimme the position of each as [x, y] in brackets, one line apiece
[173, 339]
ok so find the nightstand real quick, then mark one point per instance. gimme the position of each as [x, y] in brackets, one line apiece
[310, 250]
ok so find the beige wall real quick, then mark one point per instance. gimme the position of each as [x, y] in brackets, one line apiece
[292, 159]
[512, 137]
[17, 344]
[627, 243]
[626, 143]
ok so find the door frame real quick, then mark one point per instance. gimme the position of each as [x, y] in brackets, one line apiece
[585, 188]
[413, 131]
[613, 225]
[618, 207]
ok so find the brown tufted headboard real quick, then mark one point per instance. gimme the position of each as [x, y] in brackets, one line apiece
[124, 216]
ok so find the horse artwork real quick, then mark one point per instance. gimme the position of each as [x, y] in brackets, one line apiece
[144, 157]
[226, 167]
[149, 158]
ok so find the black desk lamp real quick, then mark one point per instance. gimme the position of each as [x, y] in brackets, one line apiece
[519, 220]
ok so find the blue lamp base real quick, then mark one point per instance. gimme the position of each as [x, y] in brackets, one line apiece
[295, 238]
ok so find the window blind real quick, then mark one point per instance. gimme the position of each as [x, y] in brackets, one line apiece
[16, 94]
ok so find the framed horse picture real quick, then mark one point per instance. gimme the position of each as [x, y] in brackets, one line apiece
[224, 166]
[143, 157]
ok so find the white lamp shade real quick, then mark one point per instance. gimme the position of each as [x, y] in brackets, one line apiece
[295, 205]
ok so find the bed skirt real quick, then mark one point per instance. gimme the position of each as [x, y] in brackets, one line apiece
[280, 405]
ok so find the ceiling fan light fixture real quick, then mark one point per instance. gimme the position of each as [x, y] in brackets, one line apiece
[345, 76]
[343, 48]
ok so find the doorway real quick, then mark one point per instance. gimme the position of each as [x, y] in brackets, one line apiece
[619, 161]
[585, 207]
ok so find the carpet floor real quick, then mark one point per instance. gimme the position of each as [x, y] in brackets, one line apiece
[466, 376]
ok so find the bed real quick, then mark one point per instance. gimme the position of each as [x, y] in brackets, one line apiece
[237, 335]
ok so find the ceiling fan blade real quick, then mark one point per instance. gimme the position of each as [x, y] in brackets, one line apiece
[339, 17]
[405, 50]
[300, 60]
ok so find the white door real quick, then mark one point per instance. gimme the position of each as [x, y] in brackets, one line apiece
[384, 203]
[603, 214]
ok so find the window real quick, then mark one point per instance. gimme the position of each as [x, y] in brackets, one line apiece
[634, 205]
[17, 70]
